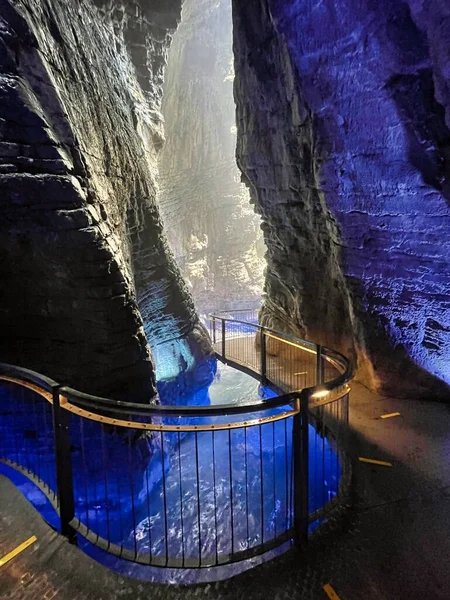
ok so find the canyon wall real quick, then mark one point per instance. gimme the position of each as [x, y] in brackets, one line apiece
[343, 135]
[211, 226]
[87, 279]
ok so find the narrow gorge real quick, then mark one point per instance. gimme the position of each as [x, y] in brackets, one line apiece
[224, 299]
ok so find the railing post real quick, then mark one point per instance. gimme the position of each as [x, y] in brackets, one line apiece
[214, 329]
[223, 339]
[263, 360]
[301, 471]
[319, 365]
[64, 480]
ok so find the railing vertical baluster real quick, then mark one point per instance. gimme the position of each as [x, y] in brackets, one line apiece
[150, 543]
[84, 470]
[63, 459]
[119, 497]
[16, 437]
[301, 474]
[263, 355]
[286, 472]
[38, 447]
[105, 482]
[223, 339]
[25, 442]
[214, 489]
[261, 477]
[230, 464]
[214, 329]
[274, 481]
[321, 413]
[164, 492]
[199, 521]
[180, 484]
[47, 451]
[319, 366]
[133, 507]
[246, 485]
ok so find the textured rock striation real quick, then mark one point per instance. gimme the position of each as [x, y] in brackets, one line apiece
[87, 279]
[343, 116]
[211, 226]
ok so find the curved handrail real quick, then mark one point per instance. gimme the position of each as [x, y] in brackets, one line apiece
[85, 403]
[333, 356]
[131, 408]
[16, 374]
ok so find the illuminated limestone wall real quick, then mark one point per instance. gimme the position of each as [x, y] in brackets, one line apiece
[343, 132]
[88, 283]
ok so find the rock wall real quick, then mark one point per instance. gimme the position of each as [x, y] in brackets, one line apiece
[212, 228]
[87, 279]
[343, 135]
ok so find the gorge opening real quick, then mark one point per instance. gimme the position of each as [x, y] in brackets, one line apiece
[210, 223]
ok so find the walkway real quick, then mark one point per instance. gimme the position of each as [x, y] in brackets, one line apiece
[392, 544]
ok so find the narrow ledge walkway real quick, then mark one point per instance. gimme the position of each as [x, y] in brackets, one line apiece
[391, 543]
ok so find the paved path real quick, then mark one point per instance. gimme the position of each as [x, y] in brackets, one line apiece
[392, 543]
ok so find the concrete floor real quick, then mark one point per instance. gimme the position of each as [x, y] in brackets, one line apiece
[391, 543]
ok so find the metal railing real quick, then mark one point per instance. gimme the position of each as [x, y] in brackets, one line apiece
[188, 486]
[285, 361]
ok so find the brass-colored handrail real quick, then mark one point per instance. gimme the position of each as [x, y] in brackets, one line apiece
[175, 428]
[94, 416]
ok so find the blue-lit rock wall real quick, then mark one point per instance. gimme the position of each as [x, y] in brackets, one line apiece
[343, 136]
[87, 280]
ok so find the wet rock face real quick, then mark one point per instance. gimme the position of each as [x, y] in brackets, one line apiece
[88, 281]
[343, 135]
[211, 226]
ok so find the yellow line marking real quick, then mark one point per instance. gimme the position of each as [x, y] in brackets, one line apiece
[329, 591]
[389, 415]
[382, 463]
[17, 550]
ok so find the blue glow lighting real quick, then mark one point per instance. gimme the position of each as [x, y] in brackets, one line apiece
[149, 472]
[172, 358]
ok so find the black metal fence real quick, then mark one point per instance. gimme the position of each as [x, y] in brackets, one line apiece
[188, 486]
[283, 360]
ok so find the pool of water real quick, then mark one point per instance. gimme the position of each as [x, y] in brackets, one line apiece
[229, 386]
